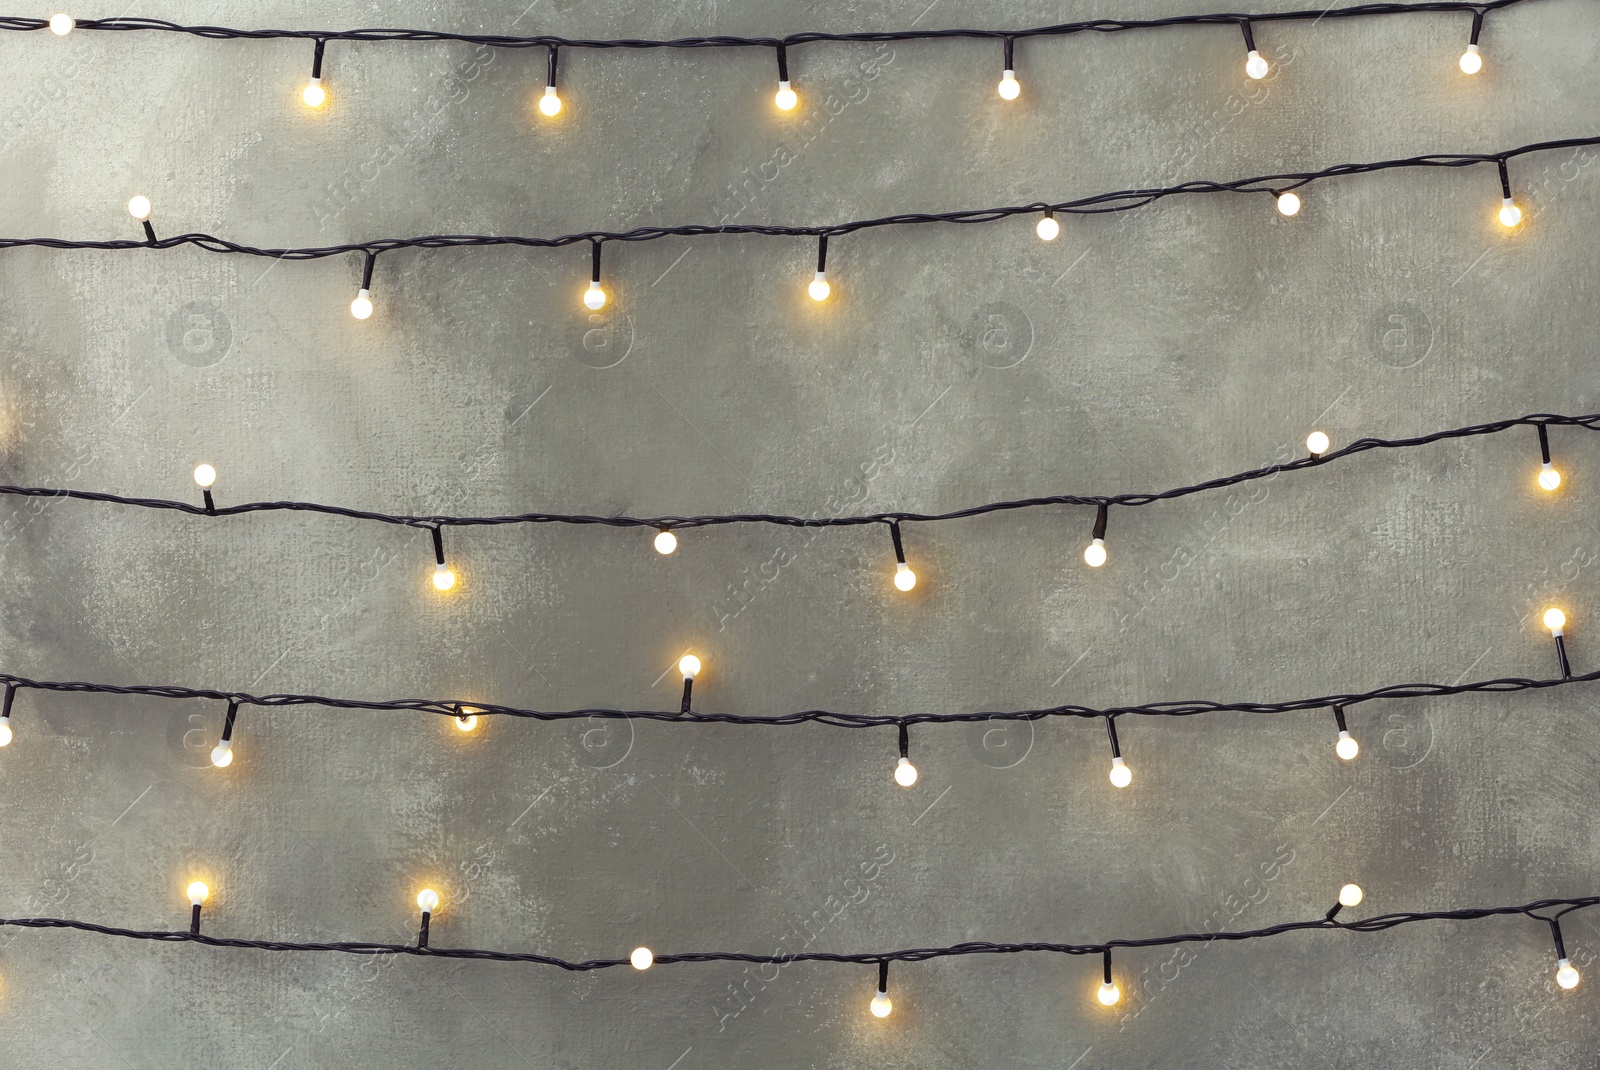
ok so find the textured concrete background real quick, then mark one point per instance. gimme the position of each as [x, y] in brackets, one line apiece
[957, 365]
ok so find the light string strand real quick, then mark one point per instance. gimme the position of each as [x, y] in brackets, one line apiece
[1279, 186]
[1379, 923]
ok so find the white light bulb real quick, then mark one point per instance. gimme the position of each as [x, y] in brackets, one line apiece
[443, 577]
[1555, 620]
[904, 578]
[1288, 204]
[1048, 229]
[642, 958]
[428, 900]
[1510, 214]
[139, 207]
[313, 94]
[1567, 975]
[550, 103]
[1121, 775]
[361, 307]
[222, 754]
[881, 1005]
[819, 288]
[1549, 478]
[467, 720]
[62, 24]
[1010, 88]
[1317, 443]
[1256, 66]
[205, 475]
[905, 774]
[197, 892]
[666, 542]
[1347, 747]
[5, 731]
[1094, 555]
[786, 98]
[1108, 994]
[594, 297]
[1471, 60]
[689, 666]
[1351, 895]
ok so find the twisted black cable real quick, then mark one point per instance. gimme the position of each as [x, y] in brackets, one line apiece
[1380, 923]
[808, 37]
[1102, 203]
[455, 707]
[1589, 422]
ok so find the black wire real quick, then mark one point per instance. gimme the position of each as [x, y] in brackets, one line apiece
[1589, 422]
[452, 707]
[1098, 204]
[1381, 923]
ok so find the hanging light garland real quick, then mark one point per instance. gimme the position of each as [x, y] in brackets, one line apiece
[786, 99]
[1106, 994]
[667, 528]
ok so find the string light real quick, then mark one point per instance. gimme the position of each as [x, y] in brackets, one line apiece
[666, 542]
[1121, 775]
[1317, 443]
[444, 578]
[205, 477]
[5, 715]
[905, 774]
[1047, 228]
[1108, 993]
[61, 24]
[550, 102]
[1288, 204]
[1094, 555]
[1549, 477]
[428, 902]
[786, 98]
[1255, 64]
[1009, 87]
[222, 753]
[1556, 621]
[314, 95]
[1346, 748]
[689, 666]
[881, 1004]
[1097, 204]
[467, 719]
[819, 288]
[361, 307]
[904, 578]
[594, 298]
[1472, 58]
[1510, 214]
[198, 892]
[642, 958]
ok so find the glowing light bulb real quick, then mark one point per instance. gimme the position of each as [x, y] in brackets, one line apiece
[314, 95]
[1549, 478]
[139, 207]
[443, 577]
[1010, 88]
[1288, 204]
[1567, 975]
[467, 719]
[222, 754]
[1351, 895]
[428, 900]
[1094, 555]
[786, 98]
[62, 24]
[5, 731]
[1347, 747]
[666, 542]
[204, 475]
[689, 665]
[905, 774]
[904, 578]
[1317, 443]
[1256, 65]
[1555, 620]
[550, 103]
[819, 288]
[642, 958]
[361, 307]
[881, 1005]
[1510, 214]
[1048, 229]
[1121, 775]
[594, 297]
[1108, 994]
[197, 892]
[1471, 60]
